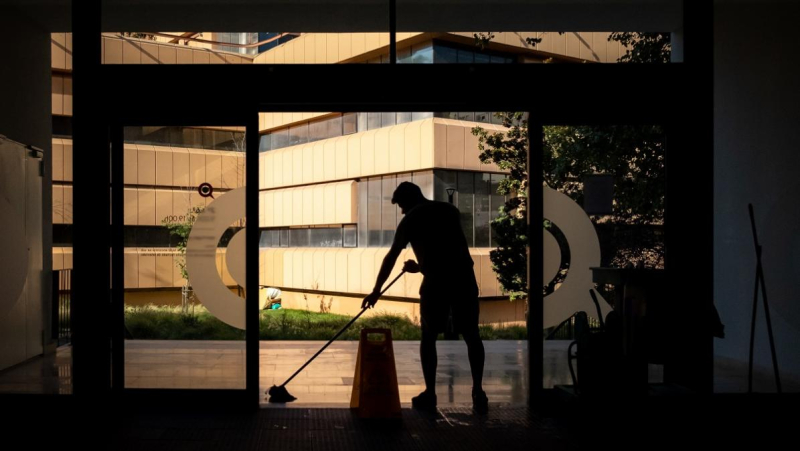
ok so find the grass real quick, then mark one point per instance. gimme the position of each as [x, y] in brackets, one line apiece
[169, 323]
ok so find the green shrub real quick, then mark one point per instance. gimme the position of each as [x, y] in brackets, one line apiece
[169, 323]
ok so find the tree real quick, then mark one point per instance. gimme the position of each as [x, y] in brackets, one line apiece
[180, 227]
[643, 47]
[509, 151]
[634, 155]
[129, 34]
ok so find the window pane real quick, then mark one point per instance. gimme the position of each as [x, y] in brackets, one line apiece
[468, 116]
[422, 54]
[284, 234]
[333, 127]
[496, 201]
[389, 214]
[362, 122]
[388, 119]
[400, 179]
[374, 213]
[373, 121]
[442, 181]
[444, 55]
[404, 55]
[464, 202]
[298, 134]
[425, 182]
[265, 142]
[402, 118]
[363, 205]
[316, 130]
[420, 116]
[482, 58]
[298, 237]
[280, 139]
[349, 123]
[465, 56]
[482, 212]
[350, 236]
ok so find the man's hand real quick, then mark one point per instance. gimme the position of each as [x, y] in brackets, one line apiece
[410, 266]
[370, 299]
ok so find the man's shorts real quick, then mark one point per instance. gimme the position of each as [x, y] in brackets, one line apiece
[437, 301]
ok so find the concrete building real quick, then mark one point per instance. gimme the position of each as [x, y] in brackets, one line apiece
[319, 171]
[729, 104]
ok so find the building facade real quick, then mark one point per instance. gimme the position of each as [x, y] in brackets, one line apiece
[325, 178]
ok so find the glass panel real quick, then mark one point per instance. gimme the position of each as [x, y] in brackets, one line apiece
[363, 208]
[388, 119]
[422, 54]
[349, 123]
[482, 193]
[374, 226]
[184, 309]
[374, 121]
[389, 214]
[298, 134]
[351, 235]
[465, 203]
[402, 118]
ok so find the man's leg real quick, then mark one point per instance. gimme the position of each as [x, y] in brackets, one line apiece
[476, 355]
[427, 354]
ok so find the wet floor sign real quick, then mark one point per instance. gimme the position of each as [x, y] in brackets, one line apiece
[375, 392]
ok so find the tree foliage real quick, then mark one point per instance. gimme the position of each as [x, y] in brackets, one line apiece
[633, 155]
[643, 47]
[509, 151]
[181, 229]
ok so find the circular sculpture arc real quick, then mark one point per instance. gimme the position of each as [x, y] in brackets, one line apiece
[584, 246]
[201, 258]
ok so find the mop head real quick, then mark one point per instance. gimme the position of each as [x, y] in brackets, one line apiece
[280, 394]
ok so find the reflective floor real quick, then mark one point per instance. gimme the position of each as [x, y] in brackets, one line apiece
[328, 381]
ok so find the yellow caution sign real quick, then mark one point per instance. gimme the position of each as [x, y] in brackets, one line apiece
[375, 392]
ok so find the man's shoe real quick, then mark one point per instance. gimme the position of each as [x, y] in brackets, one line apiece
[480, 403]
[424, 401]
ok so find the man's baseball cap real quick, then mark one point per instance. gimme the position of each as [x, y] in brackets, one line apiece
[406, 191]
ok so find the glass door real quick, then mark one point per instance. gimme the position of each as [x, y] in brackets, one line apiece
[179, 262]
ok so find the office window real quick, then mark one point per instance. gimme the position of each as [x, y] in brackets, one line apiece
[404, 55]
[373, 121]
[466, 56]
[374, 237]
[388, 119]
[299, 238]
[444, 55]
[483, 192]
[465, 198]
[422, 54]
[280, 138]
[298, 134]
[363, 122]
[350, 123]
[389, 213]
[264, 143]
[363, 207]
[350, 236]
[420, 116]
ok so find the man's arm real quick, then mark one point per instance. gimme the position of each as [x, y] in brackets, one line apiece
[399, 243]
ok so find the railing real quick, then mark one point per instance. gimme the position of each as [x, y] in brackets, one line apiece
[566, 330]
[62, 301]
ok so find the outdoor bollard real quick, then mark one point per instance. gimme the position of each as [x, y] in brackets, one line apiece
[375, 392]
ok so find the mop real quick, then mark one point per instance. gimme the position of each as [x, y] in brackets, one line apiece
[279, 394]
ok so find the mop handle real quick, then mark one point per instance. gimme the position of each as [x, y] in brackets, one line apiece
[341, 331]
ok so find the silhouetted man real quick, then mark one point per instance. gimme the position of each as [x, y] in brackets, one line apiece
[434, 230]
